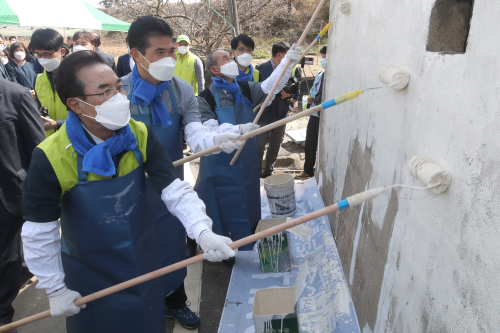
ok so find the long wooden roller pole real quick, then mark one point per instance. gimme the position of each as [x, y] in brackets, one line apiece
[251, 134]
[275, 85]
[169, 269]
[323, 106]
[349, 202]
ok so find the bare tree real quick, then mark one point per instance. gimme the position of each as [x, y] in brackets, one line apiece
[205, 22]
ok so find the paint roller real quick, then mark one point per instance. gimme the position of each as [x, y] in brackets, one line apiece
[323, 106]
[391, 76]
[275, 85]
[423, 168]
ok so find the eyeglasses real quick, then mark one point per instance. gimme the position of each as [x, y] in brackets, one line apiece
[45, 55]
[244, 49]
[111, 92]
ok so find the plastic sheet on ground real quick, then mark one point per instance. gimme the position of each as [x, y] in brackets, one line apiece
[324, 306]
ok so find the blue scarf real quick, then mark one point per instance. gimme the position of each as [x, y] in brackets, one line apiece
[148, 94]
[245, 77]
[232, 88]
[98, 158]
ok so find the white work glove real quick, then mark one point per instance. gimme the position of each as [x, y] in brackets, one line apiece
[226, 145]
[245, 128]
[294, 54]
[215, 246]
[61, 304]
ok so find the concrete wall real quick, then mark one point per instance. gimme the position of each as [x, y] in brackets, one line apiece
[415, 261]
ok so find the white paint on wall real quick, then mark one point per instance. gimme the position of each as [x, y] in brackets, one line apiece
[356, 241]
[448, 244]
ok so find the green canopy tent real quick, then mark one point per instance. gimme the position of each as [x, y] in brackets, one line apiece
[57, 13]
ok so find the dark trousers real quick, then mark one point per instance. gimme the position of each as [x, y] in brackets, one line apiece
[11, 260]
[274, 137]
[177, 299]
[311, 144]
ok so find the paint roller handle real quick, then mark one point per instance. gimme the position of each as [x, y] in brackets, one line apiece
[318, 37]
[325, 29]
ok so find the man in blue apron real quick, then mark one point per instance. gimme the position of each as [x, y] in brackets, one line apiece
[165, 103]
[232, 193]
[91, 175]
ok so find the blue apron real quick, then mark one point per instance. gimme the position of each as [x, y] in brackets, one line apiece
[109, 237]
[170, 231]
[232, 193]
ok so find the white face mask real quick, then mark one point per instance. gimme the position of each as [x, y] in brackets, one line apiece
[19, 55]
[50, 64]
[161, 70]
[77, 48]
[244, 59]
[230, 69]
[5, 61]
[2, 47]
[112, 114]
[183, 49]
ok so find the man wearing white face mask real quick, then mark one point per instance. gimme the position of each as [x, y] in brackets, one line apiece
[242, 47]
[91, 176]
[166, 102]
[47, 45]
[5, 59]
[232, 193]
[86, 40]
[188, 65]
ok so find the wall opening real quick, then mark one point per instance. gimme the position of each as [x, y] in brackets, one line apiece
[449, 26]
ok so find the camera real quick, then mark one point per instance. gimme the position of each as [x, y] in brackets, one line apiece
[44, 112]
[291, 86]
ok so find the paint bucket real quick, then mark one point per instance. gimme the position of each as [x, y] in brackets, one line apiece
[274, 311]
[274, 253]
[280, 190]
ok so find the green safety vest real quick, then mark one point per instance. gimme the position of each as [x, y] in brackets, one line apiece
[256, 74]
[63, 158]
[184, 69]
[49, 99]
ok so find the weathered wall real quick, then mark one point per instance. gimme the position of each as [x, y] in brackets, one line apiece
[415, 261]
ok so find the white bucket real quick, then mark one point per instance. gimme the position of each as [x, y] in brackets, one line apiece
[280, 191]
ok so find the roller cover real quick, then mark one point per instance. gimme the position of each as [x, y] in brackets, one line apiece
[394, 77]
[345, 7]
[430, 173]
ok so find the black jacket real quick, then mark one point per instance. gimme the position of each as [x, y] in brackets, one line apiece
[279, 107]
[123, 67]
[109, 60]
[21, 130]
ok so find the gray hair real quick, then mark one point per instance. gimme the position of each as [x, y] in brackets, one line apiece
[210, 61]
